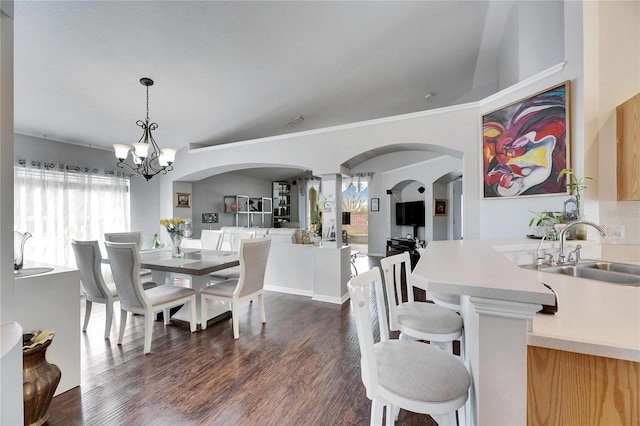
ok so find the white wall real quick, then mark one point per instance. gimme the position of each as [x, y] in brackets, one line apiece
[449, 130]
[530, 41]
[441, 223]
[453, 131]
[208, 197]
[382, 223]
[612, 76]
[10, 331]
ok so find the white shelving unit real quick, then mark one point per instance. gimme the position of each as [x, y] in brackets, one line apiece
[249, 211]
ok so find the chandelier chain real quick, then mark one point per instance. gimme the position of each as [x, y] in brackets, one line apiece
[147, 103]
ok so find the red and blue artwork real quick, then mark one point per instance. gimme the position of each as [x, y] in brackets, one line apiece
[526, 145]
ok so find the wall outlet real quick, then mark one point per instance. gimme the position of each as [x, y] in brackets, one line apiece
[615, 232]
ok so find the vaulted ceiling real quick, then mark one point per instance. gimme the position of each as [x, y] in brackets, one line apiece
[230, 71]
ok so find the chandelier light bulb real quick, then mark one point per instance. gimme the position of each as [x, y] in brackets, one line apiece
[141, 149]
[169, 154]
[122, 151]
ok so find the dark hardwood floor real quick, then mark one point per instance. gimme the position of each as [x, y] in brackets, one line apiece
[300, 368]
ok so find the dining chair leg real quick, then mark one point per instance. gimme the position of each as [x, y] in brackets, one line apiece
[87, 314]
[167, 316]
[108, 320]
[123, 323]
[390, 419]
[148, 332]
[396, 412]
[234, 321]
[194, 319]
[263, 315]
[377, 408]
[203, 312]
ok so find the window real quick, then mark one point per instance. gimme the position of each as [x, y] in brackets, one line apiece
[57, 206]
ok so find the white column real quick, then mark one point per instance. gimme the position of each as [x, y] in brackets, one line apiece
[332, 268]
[10, 332]
[496, 344]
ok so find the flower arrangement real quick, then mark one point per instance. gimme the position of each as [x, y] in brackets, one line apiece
[174, 225]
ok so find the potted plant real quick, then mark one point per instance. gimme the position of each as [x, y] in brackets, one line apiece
[576, 184]
[543, 222]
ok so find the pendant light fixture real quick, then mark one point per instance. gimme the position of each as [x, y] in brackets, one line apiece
[148, 158]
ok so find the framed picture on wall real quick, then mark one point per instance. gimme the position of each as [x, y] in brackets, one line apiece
[526, 144]
[439, 207]
[182, 199]
[375, 204]
[209, 217]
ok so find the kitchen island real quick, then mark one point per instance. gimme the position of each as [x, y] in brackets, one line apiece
[499, 302]
[584, 361]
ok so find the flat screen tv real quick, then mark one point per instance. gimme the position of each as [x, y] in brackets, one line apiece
[410, 213]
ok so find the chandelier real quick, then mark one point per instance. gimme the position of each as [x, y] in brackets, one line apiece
[148, 158]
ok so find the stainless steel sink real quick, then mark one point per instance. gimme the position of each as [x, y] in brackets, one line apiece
[615, 267]
[611, 272]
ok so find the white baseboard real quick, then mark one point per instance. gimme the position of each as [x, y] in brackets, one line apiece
[289, 290]
[334, 300]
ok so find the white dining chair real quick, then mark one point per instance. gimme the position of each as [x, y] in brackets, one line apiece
[403, 374]
[253, 264]
[211, 239]
[125, 266]
[417, 320]
[235, 238]
[129, 237]
[95, 289]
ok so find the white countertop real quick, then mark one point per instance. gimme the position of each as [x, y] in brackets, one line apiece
[474, 268]
[593, 317]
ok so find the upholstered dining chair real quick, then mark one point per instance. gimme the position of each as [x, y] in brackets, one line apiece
[403, 374]
[129, 237]
[236, 237]
[124, 237]
[253, 264]
[125, 266]
[234, 241]
[211, 239]
[94, 287]
[417, 320]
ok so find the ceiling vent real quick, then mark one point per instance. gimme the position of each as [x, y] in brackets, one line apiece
[299, 119]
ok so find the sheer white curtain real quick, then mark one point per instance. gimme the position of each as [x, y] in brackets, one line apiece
[56, 205]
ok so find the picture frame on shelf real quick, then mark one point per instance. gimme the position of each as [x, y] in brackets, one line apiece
[526, 144]
[183, 199]
[439, 207]
[375, 204]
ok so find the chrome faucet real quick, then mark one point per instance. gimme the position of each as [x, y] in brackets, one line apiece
[561, 256]
[540, 256]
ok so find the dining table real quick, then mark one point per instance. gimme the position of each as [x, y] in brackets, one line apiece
[195, 266]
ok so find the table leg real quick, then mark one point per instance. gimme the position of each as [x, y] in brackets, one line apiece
[214, 308]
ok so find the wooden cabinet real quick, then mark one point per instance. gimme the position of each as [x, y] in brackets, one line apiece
[628, 150]
[567, 388]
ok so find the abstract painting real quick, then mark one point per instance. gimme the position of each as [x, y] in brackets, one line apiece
[525, 145]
